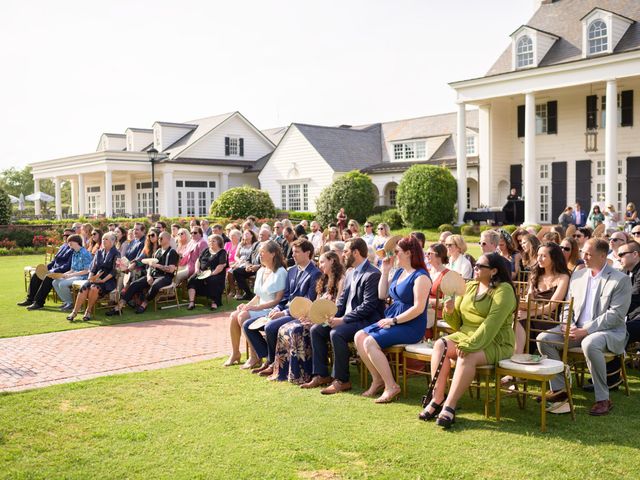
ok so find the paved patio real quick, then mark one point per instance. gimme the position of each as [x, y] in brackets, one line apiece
[41, 360]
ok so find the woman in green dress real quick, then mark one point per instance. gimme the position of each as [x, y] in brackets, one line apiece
[483, 324]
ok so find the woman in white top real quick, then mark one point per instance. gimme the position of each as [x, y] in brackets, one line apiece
[611, 217]
[269, 287]
[456, 248]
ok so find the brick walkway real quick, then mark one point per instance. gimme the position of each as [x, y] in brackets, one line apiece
[42, 360]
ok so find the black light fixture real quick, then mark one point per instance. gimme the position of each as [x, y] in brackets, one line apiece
[153, 156]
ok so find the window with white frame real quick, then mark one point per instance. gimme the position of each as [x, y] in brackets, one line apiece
[392, 196]
[194, 197]
[118, 199]
[600, 192]
[143, 197]
[544, 171]
[524, 52]
[603, 111]
[410, 150]
[597, 37]
[93, 200]
[233, 146]
[295, 196]
[600, 168]
[541, 119]
[544, 189]
[619, 208]
[471, 145]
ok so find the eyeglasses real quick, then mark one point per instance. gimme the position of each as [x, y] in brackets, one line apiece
[622, 254]
[368, 226]
[181, 233]
[449, 245]
[380, 228]
[195, 233]
[566, 249]
[431, 253]
[94, 233]
[616, 240]
[479, 266]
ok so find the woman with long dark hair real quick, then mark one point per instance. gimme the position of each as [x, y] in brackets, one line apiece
[483, 322]
[509, 252]
[571, 253]
[530, 244]
[293, 347]
[405, 320]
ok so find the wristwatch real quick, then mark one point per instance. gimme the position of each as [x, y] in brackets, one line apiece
[395, 320]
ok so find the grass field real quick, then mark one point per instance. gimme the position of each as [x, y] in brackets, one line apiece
[17, 321]
[206, 421]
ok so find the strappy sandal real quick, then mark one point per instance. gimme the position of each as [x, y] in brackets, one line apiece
[71, 316]
[437, 408]
[446, 422]
[86, 317]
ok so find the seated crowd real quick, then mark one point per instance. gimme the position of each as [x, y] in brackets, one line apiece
[381, 300]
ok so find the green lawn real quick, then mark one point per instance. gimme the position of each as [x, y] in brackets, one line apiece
[206, 421]
[16, 321]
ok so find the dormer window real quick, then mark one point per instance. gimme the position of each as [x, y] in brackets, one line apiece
[233, 147]
[524, 53]
[598, 39]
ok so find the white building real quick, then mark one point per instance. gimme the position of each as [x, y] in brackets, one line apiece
[545, 123]
[198, 160]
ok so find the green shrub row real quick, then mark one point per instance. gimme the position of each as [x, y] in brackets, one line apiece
[8, 252]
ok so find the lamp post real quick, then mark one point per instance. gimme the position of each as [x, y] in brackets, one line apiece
[153, 156]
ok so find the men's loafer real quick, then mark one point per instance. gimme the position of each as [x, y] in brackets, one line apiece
[603, 407]
[266, 372]
[336, 387]
[24, 303]
[35, 306]
[317, 381]
[112, 312]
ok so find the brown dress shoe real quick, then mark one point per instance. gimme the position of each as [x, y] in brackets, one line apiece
[266, 372]
[317, 381]
[553, 397]
[603, 407]
[336, 387]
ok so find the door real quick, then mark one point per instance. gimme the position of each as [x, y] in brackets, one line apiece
[583, 184]
[633, 181]
[558, 189]
[515, 177]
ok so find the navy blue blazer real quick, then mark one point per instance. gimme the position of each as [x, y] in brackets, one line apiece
[365, 305]
[304, 287]
[579, 219]
[61, 263]
[134, 250]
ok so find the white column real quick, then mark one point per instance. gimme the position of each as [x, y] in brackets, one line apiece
[82, 195]
[611, 145]
[486, 183]
[530, 202]
[167, 206]
[58, 196]
[224, 182]
[36, 188]
[74, 196]
[461, 164]
[108, 196]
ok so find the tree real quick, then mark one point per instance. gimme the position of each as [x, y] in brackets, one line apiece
[240, 202]
[5, 208]
[427, 196]
[16, 181]
[353, 191]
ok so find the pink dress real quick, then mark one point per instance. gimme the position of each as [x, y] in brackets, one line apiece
[231, 252]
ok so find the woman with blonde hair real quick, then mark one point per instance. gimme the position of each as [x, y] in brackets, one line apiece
[456, 248]
[183, 247]
[232, 248]
[87, 228]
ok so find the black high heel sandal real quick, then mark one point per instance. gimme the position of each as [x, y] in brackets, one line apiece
[446, 422]
[71, 316]
[437, 408]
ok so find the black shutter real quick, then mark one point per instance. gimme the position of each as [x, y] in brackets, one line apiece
[558, 189]
[226, 146]
[633, 180]
[592, 111]
[552, 117]
[626, 107]
[583, 184]
[241, 146]
[515, 178]
[520, 121]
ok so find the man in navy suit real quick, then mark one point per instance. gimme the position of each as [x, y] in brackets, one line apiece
[301, 282]
[358, 307]
[579, 216]
[39, 289]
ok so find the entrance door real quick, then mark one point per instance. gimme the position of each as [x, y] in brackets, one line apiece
[633, 181]
[558, 189]
[583, 184]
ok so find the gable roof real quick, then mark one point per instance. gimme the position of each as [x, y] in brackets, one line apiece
[275, 134]
[563, 19]
[201, 127]
[424, 127]
[345, 149]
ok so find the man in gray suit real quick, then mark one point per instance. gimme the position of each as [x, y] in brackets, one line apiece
[601, 298]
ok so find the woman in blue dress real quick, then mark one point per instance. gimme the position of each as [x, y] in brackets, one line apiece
[405, 319]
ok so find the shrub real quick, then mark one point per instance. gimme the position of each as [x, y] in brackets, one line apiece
[294, 215]
[353, 191]
[240, 202]
[468, 230]
[509, 228]
[381, 208]
[7, 244]
[427, 196]
[536, 226]
[5, 208]
[484, 228]
[22, 236]
[445, 227]
[393, 218]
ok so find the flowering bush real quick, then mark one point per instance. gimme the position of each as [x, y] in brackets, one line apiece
[40, 240]
[8, 244]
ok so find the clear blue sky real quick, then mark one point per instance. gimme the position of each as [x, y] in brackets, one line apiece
[74, 69]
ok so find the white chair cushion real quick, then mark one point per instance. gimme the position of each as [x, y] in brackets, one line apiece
[422, 348]
[546, 367]
[443, 324]
[78, 283]
[29, 269]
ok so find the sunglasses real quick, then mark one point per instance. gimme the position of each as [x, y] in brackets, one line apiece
[482, 243]
[380, 228]
[151, 235]
[636, 234]
[622, 254]
[479, 266]
[566, 249]
[94, 233]
[578, 236]
[617, 240]
[195, 233]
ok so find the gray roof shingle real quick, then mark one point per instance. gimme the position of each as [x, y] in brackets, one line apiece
[563, 19]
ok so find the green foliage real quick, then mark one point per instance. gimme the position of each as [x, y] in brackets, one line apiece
[509, 228]
[240, 202]
[445, 227]
[16, 181]
[390, 216]
[9, 252]
[469, 230]
[484, 228]
[23, 236]
[427, 196]
[295, 215]
[536, 226]
[5, 208]
[353, 191]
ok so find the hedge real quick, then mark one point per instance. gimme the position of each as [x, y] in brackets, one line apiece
[354, 192]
